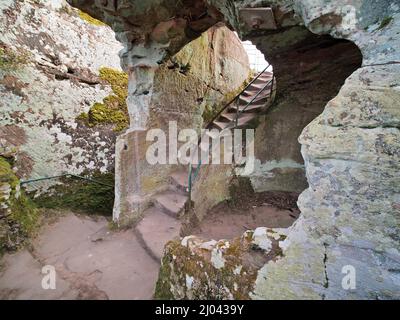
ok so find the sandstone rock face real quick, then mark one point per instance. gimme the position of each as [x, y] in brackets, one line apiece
[309, 73]
[147, 42]
[350, 211]
[18, 217]
[203, 75]
[50, 60]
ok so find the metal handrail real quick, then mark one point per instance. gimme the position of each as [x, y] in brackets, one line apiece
[191, 177]
[65, 175]
[238, 112]
[236, 97]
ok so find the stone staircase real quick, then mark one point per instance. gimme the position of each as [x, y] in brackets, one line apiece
[161, 222]
[249, 104]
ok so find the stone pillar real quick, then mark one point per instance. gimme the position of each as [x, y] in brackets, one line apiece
[131, 147]
[129, 201]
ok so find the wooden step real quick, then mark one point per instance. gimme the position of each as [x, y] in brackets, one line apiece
[266, 75]
[255, 87]
[261, 80]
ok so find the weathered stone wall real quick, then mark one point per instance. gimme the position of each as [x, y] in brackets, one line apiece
[203, 76]
[49, 75]
[309, 72]
[18, 216]
[350, 212]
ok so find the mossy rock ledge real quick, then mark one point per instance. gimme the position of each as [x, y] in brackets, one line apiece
[18, 215]
[216, 270]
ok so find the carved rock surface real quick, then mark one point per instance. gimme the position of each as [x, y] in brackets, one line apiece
[350, 211]
[50, 78]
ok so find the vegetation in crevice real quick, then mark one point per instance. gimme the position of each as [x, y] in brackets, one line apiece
[208, 282]
[385, 21]
[113, 109]
[11, 60]
[81, 195]
[88, 18]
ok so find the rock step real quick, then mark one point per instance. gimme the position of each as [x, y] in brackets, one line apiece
[255, 108]
[179, 179]
[263, 79]
[222, 125]
[263, 96]
[243, 118]
[255, 87]
[155, 230]
[213, 134]
[170, 202]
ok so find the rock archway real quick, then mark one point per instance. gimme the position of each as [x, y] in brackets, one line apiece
[350, 210]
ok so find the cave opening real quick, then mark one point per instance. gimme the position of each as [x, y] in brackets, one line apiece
[309, 73]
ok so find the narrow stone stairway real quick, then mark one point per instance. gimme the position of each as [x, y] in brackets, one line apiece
[249, 104]
[160, 222]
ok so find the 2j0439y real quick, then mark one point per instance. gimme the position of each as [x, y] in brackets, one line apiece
[204, 310]
[207, 310]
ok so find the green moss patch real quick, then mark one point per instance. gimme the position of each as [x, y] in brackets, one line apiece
[208, 282]
[19, 215]
[89, 19]
[385, 21]
[11, 60]
[113, 108]
[82, 196]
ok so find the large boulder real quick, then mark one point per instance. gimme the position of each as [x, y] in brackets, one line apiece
[50, 61]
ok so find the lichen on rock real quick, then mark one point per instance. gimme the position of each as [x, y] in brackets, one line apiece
[47, 79]
[11, 60]
[216, 269]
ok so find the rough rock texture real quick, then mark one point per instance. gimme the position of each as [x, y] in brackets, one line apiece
[198, 269]
[50, 61]
[213, 177]
[203, 76]
[18, 216]
[350, 212]
[310, 72]
[91, 263]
